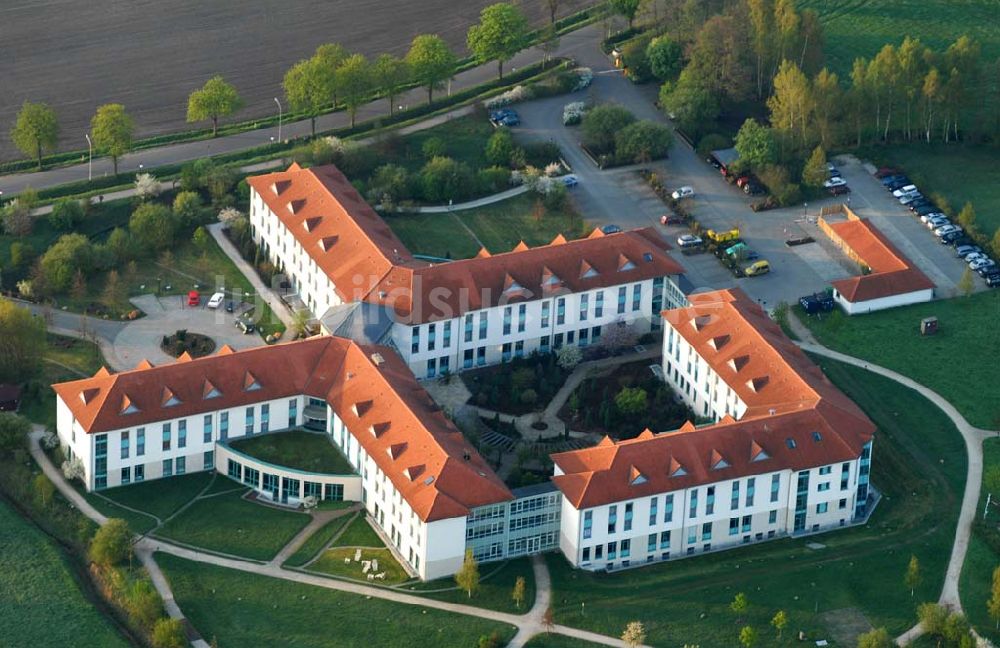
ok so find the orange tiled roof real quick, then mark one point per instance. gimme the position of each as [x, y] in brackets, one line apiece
[789, 403]
[891, 272]
[366, 261]
[431, 464]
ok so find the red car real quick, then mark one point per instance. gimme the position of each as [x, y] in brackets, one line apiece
[194, 299]
[839, 190]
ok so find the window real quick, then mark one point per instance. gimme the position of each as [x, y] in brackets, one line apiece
[431, 368]
[734, 526]
[595, 334]
[612, 550]
[822, 507]
[182, 434]
[586, 555]
[628, 516]
[506, 320]
[584, 305]
[626, 548]
[693, 509]
[825, 470]
[249, 420]
[734, 500]
[124, 446]
[443, 364]
[843, 504]
[545, 314]
[140, 473]
[126, 476]
[588, 523]
[561, 311]
[584, 337]
[166, 437]
[775, 487]
[825, 486]
[710, 501]
[845, 474]
[706, 531]
[544, 344]
[207, 428]
[612, 518]
[692, 535]
[505, 352]
[415, 339]
[636, 297]
[168, 467]
[224, 425]
[468, 328]
[181, 465]
[599, 305]
[750, 490]
[467, 359]
[747, 520]
[483, 322]
[333, 492]
[653, 503]
[140, 442]
[522, 316]
[519, 349]
[668, 509]
[481, 356]
[772, 517]
[622, 293]
[431, 336]
[208, 460]
[651, 543]
[598, 552]
[664, 539]
[446, 335]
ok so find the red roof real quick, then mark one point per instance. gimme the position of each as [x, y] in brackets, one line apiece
[789, 403]
[431, 464]
[359, 252]
[891, 272]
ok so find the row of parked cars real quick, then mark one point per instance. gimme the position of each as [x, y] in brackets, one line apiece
[948, 233]
[836, 184]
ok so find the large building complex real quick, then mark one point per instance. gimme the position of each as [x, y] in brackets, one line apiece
[783, 452]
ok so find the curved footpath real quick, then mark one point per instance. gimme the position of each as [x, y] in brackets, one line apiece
[532, 623]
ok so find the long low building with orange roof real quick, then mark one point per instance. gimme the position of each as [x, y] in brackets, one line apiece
[788, 452]
[345, 263]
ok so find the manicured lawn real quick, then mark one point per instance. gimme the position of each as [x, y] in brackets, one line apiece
[464, 139]
[161, 497]
[138, 522]
[951, 362]
[80, 357]
[42, 604]
[359, 534]
[862, 27]
[959, 173]
[983, 556]
[317, 541]
[231, 525]
[547, 640]
[333, 562]
[299, 450]
[499, 227]
[918, 464]
[241, 609]
[495, 587]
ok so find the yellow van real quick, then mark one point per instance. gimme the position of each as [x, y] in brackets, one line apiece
[757, 268]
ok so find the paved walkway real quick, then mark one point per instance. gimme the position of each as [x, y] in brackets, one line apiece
[319, 518]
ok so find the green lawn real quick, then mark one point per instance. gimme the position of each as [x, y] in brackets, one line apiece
[318, 540]
[983, 556]
[853, 28]
[41, 603]
[464, 139]
[340, 562]
[918, 463]
[138, 522]
[546, 640]
[308, 451]
[495, 588]
[359, 534]
[161, 497]
[499, 227]
[241, 609]
[950, 362]
[231, 525]
[959, 173]
[80, 357]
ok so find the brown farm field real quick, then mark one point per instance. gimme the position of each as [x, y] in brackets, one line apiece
[150, 54]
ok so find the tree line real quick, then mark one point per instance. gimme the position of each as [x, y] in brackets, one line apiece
[331, 77]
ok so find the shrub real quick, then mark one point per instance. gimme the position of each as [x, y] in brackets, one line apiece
[143, 603]
[541, 154]
[120, 245]
[14, 431]
[389, 185]
[230, 216]
[67, 214]
[17, 218]
[775, 176]
[72, 253]
[515, 94]
[444, 179]
[601, 124]
[21, 254]
[168, 633]
[642, 141]
[357, 161]
[112, 544]
[529, 396]
[494, 179]
[584, 78]
[187, 207]
[636, 62]
[434, 147]
[555, 198]
[569, 357]
[500, 147]
[153, 226]
[631, 401]
[147, 186]
[573, 113]
[321, 151]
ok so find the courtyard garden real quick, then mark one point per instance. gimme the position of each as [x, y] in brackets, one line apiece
[357, 553]
[623, 402]
[920, 471]
[307, 451]
[950, 362]
[520, 386]
[319, 539]
[242, 609]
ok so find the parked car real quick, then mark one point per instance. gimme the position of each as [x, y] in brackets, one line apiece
[570, 180]
[682, 192]
[671, 219]
[975, 256]
[934, 214]
[194, 298]
[215, 300]
[903, 191]
[987, 267]
[230, 306]
[898, 183]
[982, 262]
[920, 202]
[715, 163]
[611, 228]
[993, 278]
[908, 198]
[963, 251]
[689, 240]
[947, 229]
[505, 117]
[886, 172]
[929, 208]
[816, 303]
[832, 169]
[937, 222]
[834, 182]
[757, 268]
[952, 237]
[839, 190]
[245, 325]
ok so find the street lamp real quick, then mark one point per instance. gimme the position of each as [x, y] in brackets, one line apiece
[279, 117]
[90, 158]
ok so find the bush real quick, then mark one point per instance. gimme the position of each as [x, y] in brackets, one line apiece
[321, 151]
[776, 178]
[14, 431]
[17, 218]
[112, 544]
[188, 208]
[636, 62]
[72, 253]
[153, 226]
[500, 147]
[21, 255]
[67, 214]
[168, 633]
[569, 356]
[529, 396]
[601, 124]
[573, 113]
[444, 179]
[357, 161]
[642, 141]
[389, 185]
[434, 147]
[555, 198]
[541, 154]
[494, 179]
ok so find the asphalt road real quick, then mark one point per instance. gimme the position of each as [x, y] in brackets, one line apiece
[150, 54]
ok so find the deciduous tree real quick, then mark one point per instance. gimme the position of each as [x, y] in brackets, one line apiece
[309, 87]
[112, 130]
[601, 124]
[828, 107]
[354, 83]
[815, 173]
[965, 283]
[626, 9]
[14, 429]
[666, 57]
[66, 214]
[634, 634]
[779, 621]
[213, 100]
[740, 604]
[153, 226]
[519, 591]
[112, 543]
[993, 604]
[967, 217]
[431, 62]
[913, 577]
[70, 254]
[44, 490]
[390, 73]
[748, 637]
[501, 33]
[755, 144]
[791, 104]
[36, 130]
[467, 577]
[877, 638]
[642, 141]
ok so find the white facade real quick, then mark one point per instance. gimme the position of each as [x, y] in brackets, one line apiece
[698, 384]
[882, 303]
[710, 517]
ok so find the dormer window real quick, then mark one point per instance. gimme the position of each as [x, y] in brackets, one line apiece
[250, 382]
[169, 399]
[625, 264]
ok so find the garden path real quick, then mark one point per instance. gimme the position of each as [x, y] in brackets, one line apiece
[319, 518]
